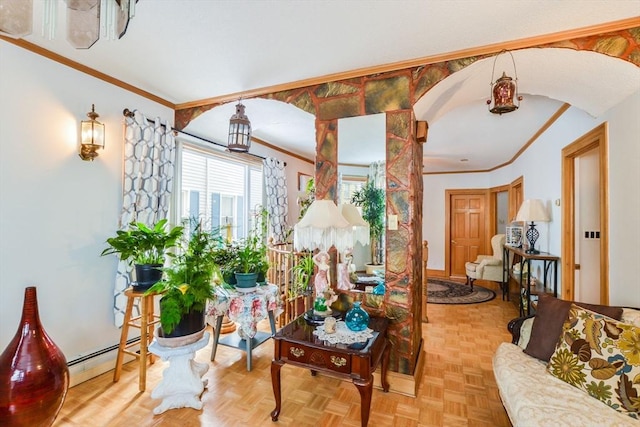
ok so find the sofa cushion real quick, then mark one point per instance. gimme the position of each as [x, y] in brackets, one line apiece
[600, 356]
[631, 315]
[550, 315]
[534, 398]
[525, 333]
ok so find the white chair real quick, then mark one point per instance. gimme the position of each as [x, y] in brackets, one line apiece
[487, 267]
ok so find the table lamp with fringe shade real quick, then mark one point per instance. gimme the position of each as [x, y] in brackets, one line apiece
[321, 228]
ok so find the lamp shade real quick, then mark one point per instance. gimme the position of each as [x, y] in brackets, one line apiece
[360, 227]
[321, 227]
[533, 210]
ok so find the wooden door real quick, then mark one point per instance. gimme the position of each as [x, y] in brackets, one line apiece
[467, 222]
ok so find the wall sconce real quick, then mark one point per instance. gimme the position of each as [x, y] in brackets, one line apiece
[504, 90]
[239, 131]
[91, 136]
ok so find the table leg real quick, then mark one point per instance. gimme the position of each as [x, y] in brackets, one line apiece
[249, 342]
[365, 387]
[144, 341]
[385, 365]
[272, 322]
[216, 337]
[275, 383]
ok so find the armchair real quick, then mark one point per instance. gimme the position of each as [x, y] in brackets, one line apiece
[487, 267]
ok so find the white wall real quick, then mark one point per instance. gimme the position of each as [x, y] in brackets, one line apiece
[56, 211]
[541, 167]
[624, 201]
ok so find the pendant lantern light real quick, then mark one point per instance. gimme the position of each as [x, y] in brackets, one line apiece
[239, 131]
[504, 90]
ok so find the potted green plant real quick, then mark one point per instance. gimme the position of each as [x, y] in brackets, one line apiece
[225, 256]
[146, 248]
[251, 263]
[302, 273]
[188, 284]
[372, 201]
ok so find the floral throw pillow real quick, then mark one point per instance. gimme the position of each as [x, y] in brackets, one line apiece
[600, 356]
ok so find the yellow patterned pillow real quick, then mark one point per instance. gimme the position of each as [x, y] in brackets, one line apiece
[600, 356]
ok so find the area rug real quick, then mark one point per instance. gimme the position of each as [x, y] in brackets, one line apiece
[441, 291]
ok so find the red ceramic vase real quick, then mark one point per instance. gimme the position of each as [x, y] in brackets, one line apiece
[34, 377]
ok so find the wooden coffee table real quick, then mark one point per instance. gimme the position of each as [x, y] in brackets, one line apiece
[295, 344]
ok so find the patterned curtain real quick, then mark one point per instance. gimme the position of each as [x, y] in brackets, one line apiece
[149, 163]
[275, 184]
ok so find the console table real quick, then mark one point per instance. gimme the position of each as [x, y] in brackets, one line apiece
[518, 256]
[297, 345]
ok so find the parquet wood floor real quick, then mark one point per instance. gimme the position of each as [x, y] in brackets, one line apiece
[457, 387]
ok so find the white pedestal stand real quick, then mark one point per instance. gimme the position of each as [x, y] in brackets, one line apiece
[182, 383]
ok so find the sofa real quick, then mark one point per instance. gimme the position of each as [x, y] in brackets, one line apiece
[538, 393]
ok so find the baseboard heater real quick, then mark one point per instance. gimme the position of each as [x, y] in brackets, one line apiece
[100, 352]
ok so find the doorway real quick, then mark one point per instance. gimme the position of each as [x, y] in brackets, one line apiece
[578, 220]
[466, 224]
[499, 210]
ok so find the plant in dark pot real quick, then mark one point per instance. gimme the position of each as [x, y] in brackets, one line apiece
[186, 287]
[146, 248]
[372, 201]
[225, 256]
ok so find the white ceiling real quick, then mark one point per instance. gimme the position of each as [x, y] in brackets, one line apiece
[188, 50]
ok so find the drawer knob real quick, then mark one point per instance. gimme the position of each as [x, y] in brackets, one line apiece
[338, 361]
[297, 352]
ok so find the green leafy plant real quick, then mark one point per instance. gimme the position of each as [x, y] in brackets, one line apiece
[189, 282]
[372, 201]
[302, 273]
[141, 244]
[309, 197]
[251, 253]
[225, 256]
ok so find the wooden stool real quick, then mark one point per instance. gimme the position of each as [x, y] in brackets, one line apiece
[145, 322]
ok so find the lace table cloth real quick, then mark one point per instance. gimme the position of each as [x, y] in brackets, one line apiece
[343, 335]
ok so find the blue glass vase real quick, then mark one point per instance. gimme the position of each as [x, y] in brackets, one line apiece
[357, 319]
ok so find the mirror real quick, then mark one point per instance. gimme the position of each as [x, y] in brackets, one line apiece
[354, 162]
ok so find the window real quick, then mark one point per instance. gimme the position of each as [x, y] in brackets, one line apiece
[218, 191]
[348, 185]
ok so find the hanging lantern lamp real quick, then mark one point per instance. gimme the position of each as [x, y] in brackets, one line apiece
[239, 131]
[504, 90]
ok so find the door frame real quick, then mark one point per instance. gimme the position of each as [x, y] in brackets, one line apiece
[493, 206]
[516, 187]
[447, 218]
[597, 138]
